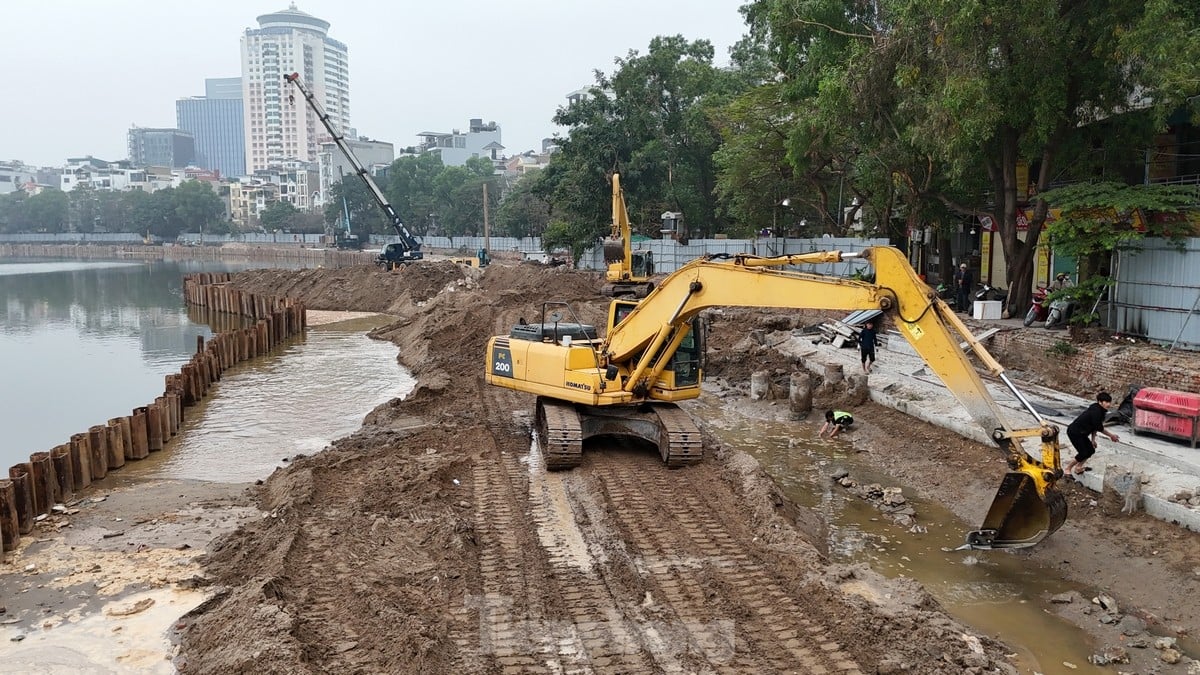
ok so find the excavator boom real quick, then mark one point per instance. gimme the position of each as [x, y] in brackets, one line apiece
[652, 357]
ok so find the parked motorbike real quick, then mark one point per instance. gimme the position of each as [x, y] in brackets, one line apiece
[1038, 309]
[1059, 312]
[988, 292]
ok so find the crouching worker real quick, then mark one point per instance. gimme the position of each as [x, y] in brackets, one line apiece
[836, 421]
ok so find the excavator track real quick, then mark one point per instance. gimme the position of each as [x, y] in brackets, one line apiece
[561, 435]
[679, 441]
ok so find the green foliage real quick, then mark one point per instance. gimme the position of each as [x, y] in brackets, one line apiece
[197, 208]
[366, 217]
[562, 235]
[919, 106]
[651, 121]
[278, 216]
[1062, 348]
[47, 211]
[524, 211]
[1099, 217]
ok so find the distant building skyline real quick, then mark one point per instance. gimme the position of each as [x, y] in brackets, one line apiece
[215, 120]
[278, 124]
[172, 148]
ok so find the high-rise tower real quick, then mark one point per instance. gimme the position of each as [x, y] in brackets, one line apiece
[278, 124]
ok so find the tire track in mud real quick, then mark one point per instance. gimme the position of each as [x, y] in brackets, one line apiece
[773, 633]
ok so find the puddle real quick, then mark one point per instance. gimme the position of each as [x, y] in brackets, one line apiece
[998, 594]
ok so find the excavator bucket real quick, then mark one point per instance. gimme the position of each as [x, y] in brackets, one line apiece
[1020, 517]
[614, 250]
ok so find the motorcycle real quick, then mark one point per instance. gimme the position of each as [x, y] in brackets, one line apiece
[988, 292]
[1060, 312]
[1038, 310]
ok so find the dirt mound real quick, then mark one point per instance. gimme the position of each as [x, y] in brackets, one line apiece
[430, 541]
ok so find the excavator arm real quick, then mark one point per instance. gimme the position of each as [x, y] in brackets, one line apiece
[637, 362]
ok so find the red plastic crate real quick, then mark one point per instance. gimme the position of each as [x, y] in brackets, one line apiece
[1185, 426]
[1167, 401]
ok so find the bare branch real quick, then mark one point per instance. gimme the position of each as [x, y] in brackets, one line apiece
[831, 29]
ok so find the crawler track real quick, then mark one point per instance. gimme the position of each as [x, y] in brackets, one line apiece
[562, 437]
[630, 572]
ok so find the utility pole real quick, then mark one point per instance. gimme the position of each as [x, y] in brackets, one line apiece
[486, 230]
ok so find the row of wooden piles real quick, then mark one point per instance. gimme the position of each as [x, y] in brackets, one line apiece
[53, 477]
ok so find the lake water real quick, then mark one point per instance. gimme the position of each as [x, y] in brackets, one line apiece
[83, 342]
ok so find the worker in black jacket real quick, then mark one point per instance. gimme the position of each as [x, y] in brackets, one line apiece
[1083, 430]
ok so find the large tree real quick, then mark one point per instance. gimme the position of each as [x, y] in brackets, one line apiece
[918, 106]
[524, 211]
[650, 121]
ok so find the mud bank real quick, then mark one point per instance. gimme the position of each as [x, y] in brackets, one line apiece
[432, 541]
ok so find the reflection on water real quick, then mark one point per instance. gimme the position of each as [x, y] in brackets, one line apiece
[317, 389]
[83, 342]
[1000, 594]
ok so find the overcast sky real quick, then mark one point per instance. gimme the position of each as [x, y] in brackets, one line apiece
[78, 74]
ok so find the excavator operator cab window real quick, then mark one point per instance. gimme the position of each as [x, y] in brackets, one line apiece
[688, 360]
[642, 263]
[618, 310]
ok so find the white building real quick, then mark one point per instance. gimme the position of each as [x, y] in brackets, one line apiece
[119, 176]
[456, 147]
[278, 123]
[333, 164]
[14, 174]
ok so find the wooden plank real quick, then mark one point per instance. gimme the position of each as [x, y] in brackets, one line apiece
[964, 345]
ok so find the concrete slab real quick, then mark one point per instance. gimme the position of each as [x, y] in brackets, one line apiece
[900, 380]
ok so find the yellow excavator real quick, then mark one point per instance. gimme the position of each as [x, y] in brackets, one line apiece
[652, 355]
[629, 271]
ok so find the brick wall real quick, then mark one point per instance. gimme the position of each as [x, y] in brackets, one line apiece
[1099, 362]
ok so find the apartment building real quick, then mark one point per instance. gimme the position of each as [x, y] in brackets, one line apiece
[278, 124]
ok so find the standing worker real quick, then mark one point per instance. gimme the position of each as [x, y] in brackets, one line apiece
[1083, 430]
[866, 345]
[963, 282]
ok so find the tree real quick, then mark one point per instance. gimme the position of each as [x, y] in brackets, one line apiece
[524, 211]
[48, 211]
[278, 216]
[458, 197]
[940, 100]
[154, 213]
[651, 122]
[1096, 219]
[410, 189]
[563, 235]
[84, 208]
[366, 216]
[14, 216]
[197, 207]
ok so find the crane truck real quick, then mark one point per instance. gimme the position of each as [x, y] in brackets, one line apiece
[408, 249]
[629, 271]
[628, 382]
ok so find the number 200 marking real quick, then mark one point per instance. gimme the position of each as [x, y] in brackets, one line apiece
[501, 367]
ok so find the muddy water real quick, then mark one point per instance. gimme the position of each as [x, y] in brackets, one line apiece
[265, 412]
[998, 594]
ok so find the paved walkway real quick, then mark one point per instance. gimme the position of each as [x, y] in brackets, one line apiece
[900, 380]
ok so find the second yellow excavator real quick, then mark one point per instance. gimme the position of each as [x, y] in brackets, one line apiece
[652, 355]
[629, 271]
